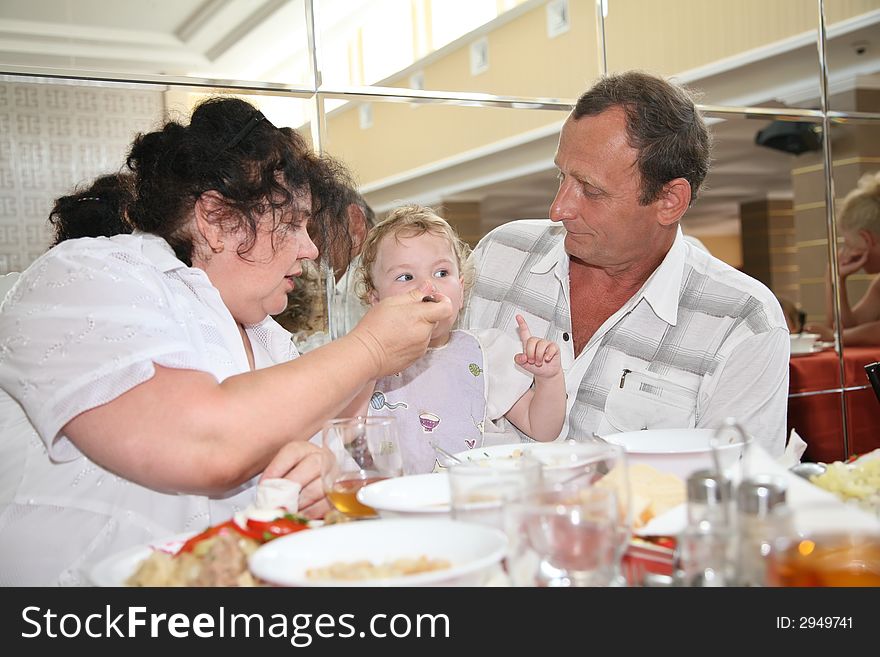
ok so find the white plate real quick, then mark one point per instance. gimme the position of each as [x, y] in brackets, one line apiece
[413, 495]
[115, 569]
[551, 455]
[801, 349]
[677, 451]
[473, 550]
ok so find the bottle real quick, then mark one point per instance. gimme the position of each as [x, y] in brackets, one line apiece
[703, 549]
[762, 517]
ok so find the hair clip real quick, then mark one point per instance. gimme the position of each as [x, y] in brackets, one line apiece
[247, 129]
[89, 198]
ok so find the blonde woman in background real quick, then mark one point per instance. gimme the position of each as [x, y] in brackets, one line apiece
[859, 224]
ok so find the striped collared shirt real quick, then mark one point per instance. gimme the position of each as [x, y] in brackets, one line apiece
[699, 342]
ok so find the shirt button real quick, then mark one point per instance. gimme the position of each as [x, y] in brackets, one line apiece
[565, 337]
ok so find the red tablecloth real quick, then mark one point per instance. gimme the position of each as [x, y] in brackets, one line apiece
[818, 418]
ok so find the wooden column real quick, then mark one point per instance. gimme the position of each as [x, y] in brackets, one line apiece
[768, 245]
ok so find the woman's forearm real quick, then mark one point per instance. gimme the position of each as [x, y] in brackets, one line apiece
[207, 437]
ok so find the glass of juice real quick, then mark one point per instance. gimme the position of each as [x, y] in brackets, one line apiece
[364, 450]
[834, 544]
[828, 559]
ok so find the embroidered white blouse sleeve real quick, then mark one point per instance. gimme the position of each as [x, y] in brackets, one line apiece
[85, 325]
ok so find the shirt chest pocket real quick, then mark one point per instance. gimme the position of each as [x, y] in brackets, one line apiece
[644, 400]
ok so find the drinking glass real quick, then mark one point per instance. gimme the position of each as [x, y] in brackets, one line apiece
[563, 535]
[478, 491]
[588, 464]
[364, 450]
[831, 544]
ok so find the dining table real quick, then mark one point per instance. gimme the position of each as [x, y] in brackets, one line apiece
[817, 398]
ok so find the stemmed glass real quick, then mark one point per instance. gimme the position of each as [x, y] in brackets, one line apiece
[563, 535]
[479, 492]
[364, 450]
[594, 464]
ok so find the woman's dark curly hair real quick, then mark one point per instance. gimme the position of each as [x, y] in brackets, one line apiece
[231, 148]
[96, 211]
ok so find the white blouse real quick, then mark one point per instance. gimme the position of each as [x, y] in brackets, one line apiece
[85, 323]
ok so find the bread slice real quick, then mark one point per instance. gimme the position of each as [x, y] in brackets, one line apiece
[652, 492]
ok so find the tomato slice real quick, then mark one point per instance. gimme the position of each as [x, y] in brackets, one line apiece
[216, 529]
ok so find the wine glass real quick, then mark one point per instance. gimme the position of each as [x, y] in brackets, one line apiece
[479, 491]
[364, 450]
[563, 534]
[588, 464]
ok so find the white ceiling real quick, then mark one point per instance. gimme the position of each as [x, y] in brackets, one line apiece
[258, 39]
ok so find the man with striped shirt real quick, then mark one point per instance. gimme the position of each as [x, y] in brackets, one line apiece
[655, 333]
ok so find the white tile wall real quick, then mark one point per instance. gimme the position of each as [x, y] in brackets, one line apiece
[54, 137]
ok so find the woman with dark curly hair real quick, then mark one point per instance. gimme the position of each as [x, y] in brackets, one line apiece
[150, 384]
[97, 211]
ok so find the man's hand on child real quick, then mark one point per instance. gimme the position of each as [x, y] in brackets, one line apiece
[539, 357]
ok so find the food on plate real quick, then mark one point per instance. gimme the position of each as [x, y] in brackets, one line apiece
[652, 492]
[857, 482]
[219, 561]
[360, 570]
[485, 459]
[218, 556]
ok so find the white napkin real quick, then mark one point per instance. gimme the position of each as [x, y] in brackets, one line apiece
[274, 498]
[275, 493]
[794, 450]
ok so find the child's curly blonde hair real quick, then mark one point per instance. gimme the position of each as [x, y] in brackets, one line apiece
[411, 221]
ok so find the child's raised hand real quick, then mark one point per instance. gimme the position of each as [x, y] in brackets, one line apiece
[539, 357]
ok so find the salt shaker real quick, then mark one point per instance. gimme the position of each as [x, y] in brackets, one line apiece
[708, 499]
[703, 550]
[762, 517]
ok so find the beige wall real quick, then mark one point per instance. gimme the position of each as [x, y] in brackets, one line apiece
[673, 36]
[404, 137]
[724, 247]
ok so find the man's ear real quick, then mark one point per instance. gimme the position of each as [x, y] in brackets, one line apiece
[869, 237]
[674, 200]
[208, 210]
[357, 227]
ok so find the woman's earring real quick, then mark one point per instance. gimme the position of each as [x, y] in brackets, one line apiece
[218, 248]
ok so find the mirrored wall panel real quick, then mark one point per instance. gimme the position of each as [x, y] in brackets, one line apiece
[504, 47]
[856, 176]
[853, 47]
[484, 165]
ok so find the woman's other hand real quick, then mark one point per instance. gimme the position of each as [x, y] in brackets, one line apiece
[301, 462]
[396, 330]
